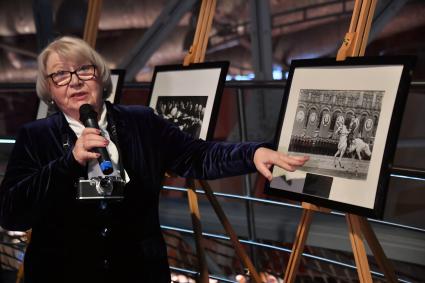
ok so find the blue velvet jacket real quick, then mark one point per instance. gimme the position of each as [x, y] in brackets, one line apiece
[93, 241]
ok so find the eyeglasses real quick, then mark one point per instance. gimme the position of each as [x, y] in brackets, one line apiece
[84, 73]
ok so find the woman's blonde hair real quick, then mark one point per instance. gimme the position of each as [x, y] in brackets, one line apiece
[74, 49]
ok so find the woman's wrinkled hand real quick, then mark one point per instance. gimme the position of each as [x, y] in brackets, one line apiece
[265, 158]
[89, 139]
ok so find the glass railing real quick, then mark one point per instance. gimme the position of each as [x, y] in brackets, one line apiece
[266, 225]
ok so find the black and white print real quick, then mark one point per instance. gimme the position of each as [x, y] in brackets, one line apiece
[186, 112]
[336, 128]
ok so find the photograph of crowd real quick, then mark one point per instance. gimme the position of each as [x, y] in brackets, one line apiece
[337, 129]
[186, 112]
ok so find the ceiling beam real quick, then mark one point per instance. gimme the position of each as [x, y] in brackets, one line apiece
[152, 39]
[43, 19]
[386, 10]
[261, 39]
[263, 106]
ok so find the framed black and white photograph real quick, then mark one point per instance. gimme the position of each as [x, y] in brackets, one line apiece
[345, 116]
[117, 78]
[189, 96]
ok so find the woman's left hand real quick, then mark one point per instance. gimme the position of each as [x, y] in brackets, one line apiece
[265, 158]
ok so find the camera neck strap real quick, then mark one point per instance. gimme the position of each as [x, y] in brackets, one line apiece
[112, 128]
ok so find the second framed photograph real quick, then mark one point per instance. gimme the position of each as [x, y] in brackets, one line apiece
[117, 79]
[189, 96]
[345, 116]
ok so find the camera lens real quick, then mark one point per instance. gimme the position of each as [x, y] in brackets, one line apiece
[107, 186]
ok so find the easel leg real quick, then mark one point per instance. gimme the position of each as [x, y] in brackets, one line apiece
[20, 274]
[298, 247]
[196, 222]
[92, 22]
[358, 247]
[383, 262]
[232, 234]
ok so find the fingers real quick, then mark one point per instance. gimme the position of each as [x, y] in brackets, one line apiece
[90, 138]
[264, 170]
[91, 155]
[282, 163]
[265, 158]
[288, 162]
[90, 131]
[293, 160]
[91, 141]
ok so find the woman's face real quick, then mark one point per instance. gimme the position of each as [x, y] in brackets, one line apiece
[70, 97]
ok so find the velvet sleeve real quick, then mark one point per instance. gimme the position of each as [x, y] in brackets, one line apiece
[200, 159]
[30, 182]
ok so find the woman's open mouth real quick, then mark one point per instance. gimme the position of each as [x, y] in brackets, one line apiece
[79, 95]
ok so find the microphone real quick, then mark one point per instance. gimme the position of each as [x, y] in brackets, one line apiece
[89, 119]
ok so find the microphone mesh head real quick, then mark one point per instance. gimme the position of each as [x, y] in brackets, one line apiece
[86, 112]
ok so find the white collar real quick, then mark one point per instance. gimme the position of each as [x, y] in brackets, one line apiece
[78, 127]
[93, 166]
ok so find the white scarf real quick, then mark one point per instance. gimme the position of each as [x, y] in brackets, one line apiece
[93, 165]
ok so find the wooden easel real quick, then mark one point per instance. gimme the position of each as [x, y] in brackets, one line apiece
[354, 44]
[92, 22]
[196, 54]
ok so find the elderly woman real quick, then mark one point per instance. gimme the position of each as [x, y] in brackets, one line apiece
[103, 241]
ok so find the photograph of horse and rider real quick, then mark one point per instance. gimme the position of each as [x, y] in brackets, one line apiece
[337, 129]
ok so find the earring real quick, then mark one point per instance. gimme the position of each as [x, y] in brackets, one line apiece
[51, 102]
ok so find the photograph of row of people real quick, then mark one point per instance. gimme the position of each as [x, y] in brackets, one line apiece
[186, 112]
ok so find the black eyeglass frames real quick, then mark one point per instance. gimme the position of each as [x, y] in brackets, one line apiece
[84, 73]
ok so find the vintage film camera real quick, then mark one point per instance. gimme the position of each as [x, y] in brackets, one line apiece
[107, 187]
